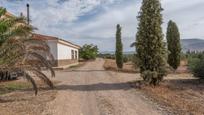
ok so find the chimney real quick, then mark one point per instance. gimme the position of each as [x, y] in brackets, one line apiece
[28, 14]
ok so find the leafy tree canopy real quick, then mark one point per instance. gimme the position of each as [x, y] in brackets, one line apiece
[88, 52]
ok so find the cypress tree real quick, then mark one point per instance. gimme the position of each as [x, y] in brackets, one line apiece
[174, 46]
[150, 47]
[119, 48]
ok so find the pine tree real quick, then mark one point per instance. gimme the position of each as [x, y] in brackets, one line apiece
[150, 47]
[119, 48]
[174, 46]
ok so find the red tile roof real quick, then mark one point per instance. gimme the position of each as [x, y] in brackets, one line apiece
[43, 37]
[9, 14]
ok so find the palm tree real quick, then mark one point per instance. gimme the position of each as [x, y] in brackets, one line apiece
[20, 52]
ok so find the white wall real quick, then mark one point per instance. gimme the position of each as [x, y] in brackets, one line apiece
[64, 51]
[61, 51]
[53, 48]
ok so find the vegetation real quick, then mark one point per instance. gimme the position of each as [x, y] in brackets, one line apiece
[107, 56]
[119, 48]
[151, 52]
[128, 67]
[174, 46]
[20, 53]
[126, 57]
[196, 64]
[88, 52]
[13, 86]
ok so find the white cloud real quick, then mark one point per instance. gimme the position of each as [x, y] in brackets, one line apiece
[51, 13]
[187, 14]
[104, 25]
[62, 19]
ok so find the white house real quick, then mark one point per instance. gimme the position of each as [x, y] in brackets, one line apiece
[64, 52]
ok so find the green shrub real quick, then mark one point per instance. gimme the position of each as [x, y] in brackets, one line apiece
[125, 59]
[196, 65]
[88, 52]
[107, 56]
[152, 77]
[135, 60]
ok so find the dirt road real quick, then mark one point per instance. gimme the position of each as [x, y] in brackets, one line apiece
[90, 90]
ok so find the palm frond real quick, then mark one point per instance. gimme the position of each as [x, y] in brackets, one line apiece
[43, 77]
[31, 80]
[43, 61]
[2, 11]
[18, 50]
[133, 44]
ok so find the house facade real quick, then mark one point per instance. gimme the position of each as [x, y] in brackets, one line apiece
[64, 52]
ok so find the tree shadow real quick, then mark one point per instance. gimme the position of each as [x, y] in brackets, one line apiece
[96, 87]
[175, 84]
[84, 70]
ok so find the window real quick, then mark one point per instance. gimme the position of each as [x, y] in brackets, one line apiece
[76, 55]
[72, 54]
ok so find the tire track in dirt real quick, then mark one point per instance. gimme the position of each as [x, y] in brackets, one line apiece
[90, 90]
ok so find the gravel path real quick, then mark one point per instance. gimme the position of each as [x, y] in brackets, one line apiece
[90, 90]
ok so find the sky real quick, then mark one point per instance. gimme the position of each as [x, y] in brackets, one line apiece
[94, 21]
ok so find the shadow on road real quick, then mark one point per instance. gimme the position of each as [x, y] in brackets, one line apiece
[96, 87]
[84, 70]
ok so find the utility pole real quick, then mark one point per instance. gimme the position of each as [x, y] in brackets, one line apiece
[28, 14]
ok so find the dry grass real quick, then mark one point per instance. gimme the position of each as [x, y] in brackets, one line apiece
[110, 64]
[183, 93]
[127, 67]
[183, 68]
[18, 98]
[180, 92]
[25, 103]
[7, 87]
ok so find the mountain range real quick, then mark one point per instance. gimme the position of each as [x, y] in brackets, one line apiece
[193, 44]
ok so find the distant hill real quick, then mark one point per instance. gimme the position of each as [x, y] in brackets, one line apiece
[192, 44]
[113, 52]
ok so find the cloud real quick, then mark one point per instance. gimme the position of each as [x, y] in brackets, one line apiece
[48, 13]
[187, 14]
[94, 21]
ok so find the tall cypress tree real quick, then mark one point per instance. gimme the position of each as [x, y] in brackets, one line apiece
[174, 46]
[119, 48]
[150, 47]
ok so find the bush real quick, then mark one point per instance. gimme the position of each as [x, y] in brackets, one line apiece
[196, 65]
[107, 56]
[88, 52]
[152, 77]
[135, 60]
[125, 59]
